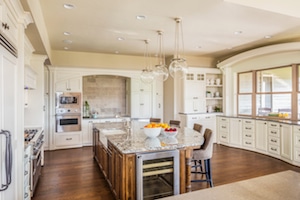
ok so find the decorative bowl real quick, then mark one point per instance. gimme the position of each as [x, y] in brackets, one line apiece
[152, 132]
[171, 132]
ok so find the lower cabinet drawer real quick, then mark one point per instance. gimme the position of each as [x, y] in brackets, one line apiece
[248, 143]
[224, 137]
[68, 140]
[274, 149]
[248, 135]
[274, 140]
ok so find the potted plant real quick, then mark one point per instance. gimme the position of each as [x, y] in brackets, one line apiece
[208, 94]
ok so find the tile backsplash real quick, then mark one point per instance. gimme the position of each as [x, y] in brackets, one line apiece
[106, 94]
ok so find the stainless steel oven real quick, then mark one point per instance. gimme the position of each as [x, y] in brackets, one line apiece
[67, 122]
[157, 174]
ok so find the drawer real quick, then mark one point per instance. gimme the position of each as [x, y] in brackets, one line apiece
[274, 140]
[248, 121]
[297, 140]
[248, 135]
[273, 125]
[248, 143]
[297, 154]
[224, 127]
[224, 137]
[274, 132]
[248, 127]
[224, 119]
[296, 129]
[274, 149]
[68, 140]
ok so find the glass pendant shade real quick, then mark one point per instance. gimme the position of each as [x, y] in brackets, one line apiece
[178, 66]
[161, 71]
[147, 76]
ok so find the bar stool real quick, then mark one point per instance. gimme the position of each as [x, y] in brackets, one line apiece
[175, 123]
[197, 163]
[156, 120]
[204, 153]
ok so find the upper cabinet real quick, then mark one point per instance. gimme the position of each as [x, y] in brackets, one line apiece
[69, 85]
[193, 93]
[30, 78]
[8, 25]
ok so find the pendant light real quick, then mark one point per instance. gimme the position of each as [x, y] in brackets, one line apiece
[147, 75]
[160, 69]
[178, 66]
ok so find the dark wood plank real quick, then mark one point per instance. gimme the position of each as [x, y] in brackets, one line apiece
[74, 174]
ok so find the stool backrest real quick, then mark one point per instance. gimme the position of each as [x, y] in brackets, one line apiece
[207, 139]
[157, 120]
[175, 123]
[197, 127]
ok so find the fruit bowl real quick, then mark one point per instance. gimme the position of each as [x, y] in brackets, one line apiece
[152, 132]
[170, 132]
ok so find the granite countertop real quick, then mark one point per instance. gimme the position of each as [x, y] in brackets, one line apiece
[282, 185]
[283, 120]
[138, 142]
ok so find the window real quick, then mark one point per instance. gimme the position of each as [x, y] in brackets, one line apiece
[273, 92]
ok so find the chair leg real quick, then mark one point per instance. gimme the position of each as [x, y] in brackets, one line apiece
[208, 172]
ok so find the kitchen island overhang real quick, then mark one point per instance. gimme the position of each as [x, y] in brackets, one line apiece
[117, 160]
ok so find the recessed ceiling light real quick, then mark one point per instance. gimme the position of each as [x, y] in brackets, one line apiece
[141, 17]
[69, 6]
[267, 36]
[238, 32]
[120, 38]
[67, 33]
[68, 41]
[116, 52]
[199, 47]
[66, 48]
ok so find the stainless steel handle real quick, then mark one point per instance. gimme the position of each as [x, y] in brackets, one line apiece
[8, 160]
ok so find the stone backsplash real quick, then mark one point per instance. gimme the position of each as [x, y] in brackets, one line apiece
[106, 94]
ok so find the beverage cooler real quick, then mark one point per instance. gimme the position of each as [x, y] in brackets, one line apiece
[157, 174]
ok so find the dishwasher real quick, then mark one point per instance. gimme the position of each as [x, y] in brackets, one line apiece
[157, 174]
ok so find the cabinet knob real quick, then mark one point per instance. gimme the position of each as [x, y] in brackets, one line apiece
[5, 26]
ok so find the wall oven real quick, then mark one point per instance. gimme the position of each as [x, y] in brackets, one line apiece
[68, 120]
[68, 100]
[157, 174]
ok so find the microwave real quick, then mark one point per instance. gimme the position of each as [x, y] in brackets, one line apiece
[68, 100]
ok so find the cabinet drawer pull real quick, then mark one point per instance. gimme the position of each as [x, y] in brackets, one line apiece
[223, 119]
[273, 125]
[68, 138]
[273, 132]
[248, 135]
[141, 104]
[141, 90]
[248, 142]
[273, 140]
[247, 128]
[248, 122]
[5, 26]
[274, 149]
[223, 126]
[224, 137]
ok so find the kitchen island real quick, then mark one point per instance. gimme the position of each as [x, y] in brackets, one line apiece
[115, 151]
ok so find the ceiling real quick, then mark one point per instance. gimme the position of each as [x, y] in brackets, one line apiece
[211, 28]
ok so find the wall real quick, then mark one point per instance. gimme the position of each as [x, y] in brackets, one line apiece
[105, 94]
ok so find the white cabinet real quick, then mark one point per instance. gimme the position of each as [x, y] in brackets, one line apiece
[274, 139]
[193, 93]
[30, 78]
[249, 133]
[158, 99]
[69, 85]
[8, 25]
[261, 136]
[236, 135]
[87, 132]
[141, 96]
[286, 142]
[68, 140]
[223, 130]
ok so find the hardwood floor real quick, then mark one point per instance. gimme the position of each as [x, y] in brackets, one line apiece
[73, 173]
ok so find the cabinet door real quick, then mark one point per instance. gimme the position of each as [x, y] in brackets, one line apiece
[236, 133]
[9, 26]
[286, 141]
[261, 135]
[75, 84]
[141, 105]
[87, 131]
[62, 86]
